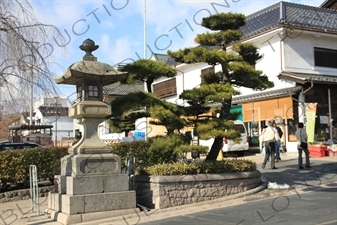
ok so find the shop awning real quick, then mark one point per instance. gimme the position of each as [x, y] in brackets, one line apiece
[303, 78]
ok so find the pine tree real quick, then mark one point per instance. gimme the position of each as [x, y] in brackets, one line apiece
[222, 47]
[147, 70]
[127, 109]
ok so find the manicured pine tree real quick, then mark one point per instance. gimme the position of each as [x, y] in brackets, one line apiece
[144, 70]
[147, 70]
[221, 47]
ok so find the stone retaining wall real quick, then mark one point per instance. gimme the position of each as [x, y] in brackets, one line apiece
[169, 191]
[23, 194]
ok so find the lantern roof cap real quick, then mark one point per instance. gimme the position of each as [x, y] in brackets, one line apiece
[90, 70]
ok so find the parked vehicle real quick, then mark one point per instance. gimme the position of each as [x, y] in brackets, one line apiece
[239, 146]
[12, 146]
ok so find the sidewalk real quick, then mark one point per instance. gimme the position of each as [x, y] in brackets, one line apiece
[323, 171]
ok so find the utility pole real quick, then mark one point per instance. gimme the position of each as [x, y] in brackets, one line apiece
[31, 82]
[56, 115]
[31, 88]
[145, 56]
[145, 48]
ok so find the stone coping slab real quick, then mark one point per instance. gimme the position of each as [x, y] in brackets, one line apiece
[197, 177]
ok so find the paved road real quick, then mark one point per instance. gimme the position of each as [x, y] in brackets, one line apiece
[313, 207]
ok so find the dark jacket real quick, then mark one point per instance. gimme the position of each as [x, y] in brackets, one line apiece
[280, 133]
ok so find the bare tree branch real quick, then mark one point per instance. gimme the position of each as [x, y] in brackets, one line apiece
[25, 52]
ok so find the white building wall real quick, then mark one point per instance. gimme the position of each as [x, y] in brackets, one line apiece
[103, 132]
[272, 62]
[64, 125]
[299, 53]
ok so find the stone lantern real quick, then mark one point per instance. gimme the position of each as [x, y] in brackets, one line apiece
[91, 185]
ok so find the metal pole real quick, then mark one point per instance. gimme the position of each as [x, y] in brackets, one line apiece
[145, 56]
[330, 116]
[34, 189]
[56, 114]
[145, 48]
[31, 91]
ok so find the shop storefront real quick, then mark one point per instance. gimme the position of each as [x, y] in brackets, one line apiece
[321, 114]
[258, 113]
[313, 101]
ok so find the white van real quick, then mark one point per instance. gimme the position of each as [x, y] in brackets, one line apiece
[238, 147]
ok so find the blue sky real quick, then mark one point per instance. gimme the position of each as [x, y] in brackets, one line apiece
[117, 26]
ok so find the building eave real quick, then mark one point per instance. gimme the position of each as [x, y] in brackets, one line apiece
[303, 78]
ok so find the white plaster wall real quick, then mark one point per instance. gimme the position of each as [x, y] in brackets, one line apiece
[271, 50]
[64, 125]
[103, 132]
[299, 53]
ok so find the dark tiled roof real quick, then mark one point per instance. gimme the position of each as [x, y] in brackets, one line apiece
[51, 111]
[290, 14]
[266, 95]
[164, 58]
[119, 89]
[307, 77]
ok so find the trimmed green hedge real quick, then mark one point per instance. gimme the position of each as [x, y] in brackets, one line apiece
[139, 149]
[156, 150]
[199, 167]
[14, 164]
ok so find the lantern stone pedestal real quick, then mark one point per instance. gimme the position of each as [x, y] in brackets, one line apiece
[90, 185]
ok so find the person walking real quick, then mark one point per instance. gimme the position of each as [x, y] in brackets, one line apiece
[268, 138]
[301, 136]
[277, 143]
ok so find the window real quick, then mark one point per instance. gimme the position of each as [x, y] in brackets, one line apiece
[166, 88]
[291, 131]
[92, 91]
[79, 91]
[325, 57]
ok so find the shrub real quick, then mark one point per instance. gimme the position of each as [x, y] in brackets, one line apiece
[156, 150]
[15, 164]
[184, 149]
[199, 167]
[139, 149]
[163, 149]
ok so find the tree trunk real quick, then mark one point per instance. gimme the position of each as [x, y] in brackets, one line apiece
[218, 141]
[148, 85]
[215, 149]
